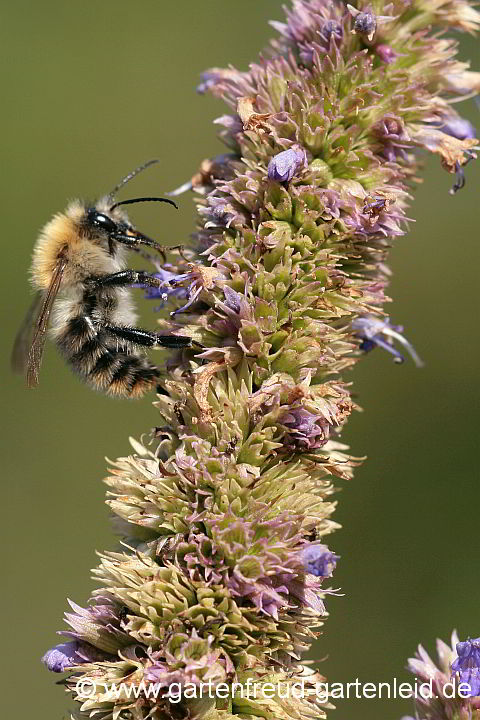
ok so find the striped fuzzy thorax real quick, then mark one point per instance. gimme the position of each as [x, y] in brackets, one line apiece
[225, 507]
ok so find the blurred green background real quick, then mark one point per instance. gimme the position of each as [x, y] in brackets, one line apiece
[89, 91]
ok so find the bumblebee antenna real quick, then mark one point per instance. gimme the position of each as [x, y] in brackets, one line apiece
[144, 199]
[131, 175]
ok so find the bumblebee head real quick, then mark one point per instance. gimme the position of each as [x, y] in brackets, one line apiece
[106, 223]
[99, 221]
[102, 223]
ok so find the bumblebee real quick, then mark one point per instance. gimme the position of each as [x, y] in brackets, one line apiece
[83, 298]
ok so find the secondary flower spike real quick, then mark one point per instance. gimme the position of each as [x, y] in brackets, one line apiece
[452, 681]
[224, 508]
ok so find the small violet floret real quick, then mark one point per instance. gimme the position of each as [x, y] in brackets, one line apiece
[306, 430]
[375, 332]
[459, 127]
[386, 53]
[365, 23]
[60, 657]
[66, 655]
[168, 286]
[467, 664]
[319, 560]
[283, 166]
[332, 29]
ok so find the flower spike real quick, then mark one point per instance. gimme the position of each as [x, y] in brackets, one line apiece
[224, 507]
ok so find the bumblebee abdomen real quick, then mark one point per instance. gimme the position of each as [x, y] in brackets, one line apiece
[111, 367]
[118, 372]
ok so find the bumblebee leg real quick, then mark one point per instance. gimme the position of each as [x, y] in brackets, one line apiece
[135, 241]
[180, 249]
[147, 338]
[125, 277]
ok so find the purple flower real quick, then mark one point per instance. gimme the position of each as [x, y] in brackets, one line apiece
[210, 170]
[386, 53]
[286, 164]
[332, 29]
[210, 78]
[217, 79]
[233, 299]
[260, 560]
[188, 659]
[306, 430]
[390, 127]
[231, 122]
[98, 624]
[63, 656]
[459, 128]
[391, 131]
[232, 313]
[220, 212]
[200, 278]
[319, 560]
[467, 664]
[365, 24]
[379, 333]
[168, 287]
[308, 24]
[455, 153]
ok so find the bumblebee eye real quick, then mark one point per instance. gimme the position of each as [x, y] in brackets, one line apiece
[99, 220]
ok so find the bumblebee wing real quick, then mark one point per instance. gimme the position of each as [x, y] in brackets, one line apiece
[23, 339]
[35, 352]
